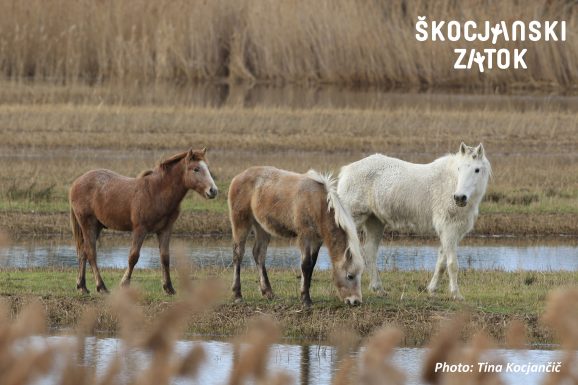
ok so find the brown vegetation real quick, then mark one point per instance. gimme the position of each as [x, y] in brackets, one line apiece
[342, 42]
[24, 364]
[50, 135]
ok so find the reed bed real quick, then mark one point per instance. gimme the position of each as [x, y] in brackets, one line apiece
[326, 41]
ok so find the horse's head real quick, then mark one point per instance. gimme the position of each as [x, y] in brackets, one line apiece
[347, 278]
[197, 174]
[473, 171]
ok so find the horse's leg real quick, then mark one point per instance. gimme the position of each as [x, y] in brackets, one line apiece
[452, 264]
[373, 230]
[81, 250]
[439, 269]
[164, 237]
[240, 227]
[309, 253]
[138, 237]
[91, 230]
[262, 239]
[447, 254]
[81, 277]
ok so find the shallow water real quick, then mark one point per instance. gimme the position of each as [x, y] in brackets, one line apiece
[501, 253]
[305, 363]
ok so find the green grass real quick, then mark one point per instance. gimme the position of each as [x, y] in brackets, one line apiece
[199, 215]
[493, 298]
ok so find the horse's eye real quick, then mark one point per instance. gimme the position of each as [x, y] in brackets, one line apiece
[350, 276]
[196, 169]
[477, 170]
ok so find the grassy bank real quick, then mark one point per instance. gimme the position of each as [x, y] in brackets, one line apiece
[51, 135]
[493, 300]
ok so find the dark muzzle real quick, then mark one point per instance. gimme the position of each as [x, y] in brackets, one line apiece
[461, 200]
[353, 301]
[212, 193]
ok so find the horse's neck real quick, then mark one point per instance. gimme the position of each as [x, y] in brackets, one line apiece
[445, 172]
[170, 187]
[335, 238]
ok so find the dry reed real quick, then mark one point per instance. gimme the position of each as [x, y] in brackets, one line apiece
[326, 41]
[22, 363]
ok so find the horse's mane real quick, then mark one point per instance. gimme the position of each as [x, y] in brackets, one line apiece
[144, 173]
[165, 164]
[342, 217]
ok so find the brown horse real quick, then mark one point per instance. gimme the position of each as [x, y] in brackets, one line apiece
[146, 204]
[302, 206]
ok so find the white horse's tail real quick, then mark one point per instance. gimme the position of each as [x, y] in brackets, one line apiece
[342, 217]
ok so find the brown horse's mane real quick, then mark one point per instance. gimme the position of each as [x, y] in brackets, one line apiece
[164, 165]
[144, 173]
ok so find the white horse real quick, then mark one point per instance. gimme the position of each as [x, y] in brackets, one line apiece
[442, 196]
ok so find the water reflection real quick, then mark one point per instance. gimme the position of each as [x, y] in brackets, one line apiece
[306, 363]
[399, 255]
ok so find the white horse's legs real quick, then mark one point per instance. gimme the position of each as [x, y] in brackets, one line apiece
[447, 253]
[440, 267]
[373, 230]
[452, 261]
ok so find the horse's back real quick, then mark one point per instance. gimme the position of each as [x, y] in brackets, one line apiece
[391, 189]
[94, 180]
[274, 198]
[105, 195]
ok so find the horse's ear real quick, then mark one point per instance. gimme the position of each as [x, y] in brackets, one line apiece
[463, 148]
[194, 155]
[480, 151]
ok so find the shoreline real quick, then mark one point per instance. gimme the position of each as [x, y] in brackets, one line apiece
[206, 224]
[405, 304]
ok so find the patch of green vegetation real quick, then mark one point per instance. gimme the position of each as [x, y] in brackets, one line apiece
[526, 202]
[46, 201]
[490, 296]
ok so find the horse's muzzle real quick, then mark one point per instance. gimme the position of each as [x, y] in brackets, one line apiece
[461, 200]
[212, 193]
[352, 301]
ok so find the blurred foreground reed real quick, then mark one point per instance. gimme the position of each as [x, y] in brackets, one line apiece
[22, 363]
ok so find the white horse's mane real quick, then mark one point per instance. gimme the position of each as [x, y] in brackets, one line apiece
[342, 217]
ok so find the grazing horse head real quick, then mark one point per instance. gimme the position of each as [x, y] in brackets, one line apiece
[348, 263]
[473, 172]
[347, 279]
[197, 175]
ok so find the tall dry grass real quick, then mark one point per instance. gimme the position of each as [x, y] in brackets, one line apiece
[325, 41]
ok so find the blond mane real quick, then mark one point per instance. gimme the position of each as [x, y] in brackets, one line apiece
[342, 217]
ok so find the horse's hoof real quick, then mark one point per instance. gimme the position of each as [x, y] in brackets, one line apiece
[238, 299]
[102, 289]
[82, 289]
[458, 296]
[169, 289]
[380, 293]
[268, 294]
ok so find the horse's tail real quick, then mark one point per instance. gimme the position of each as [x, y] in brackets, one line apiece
[76, 232]
[343, 218]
